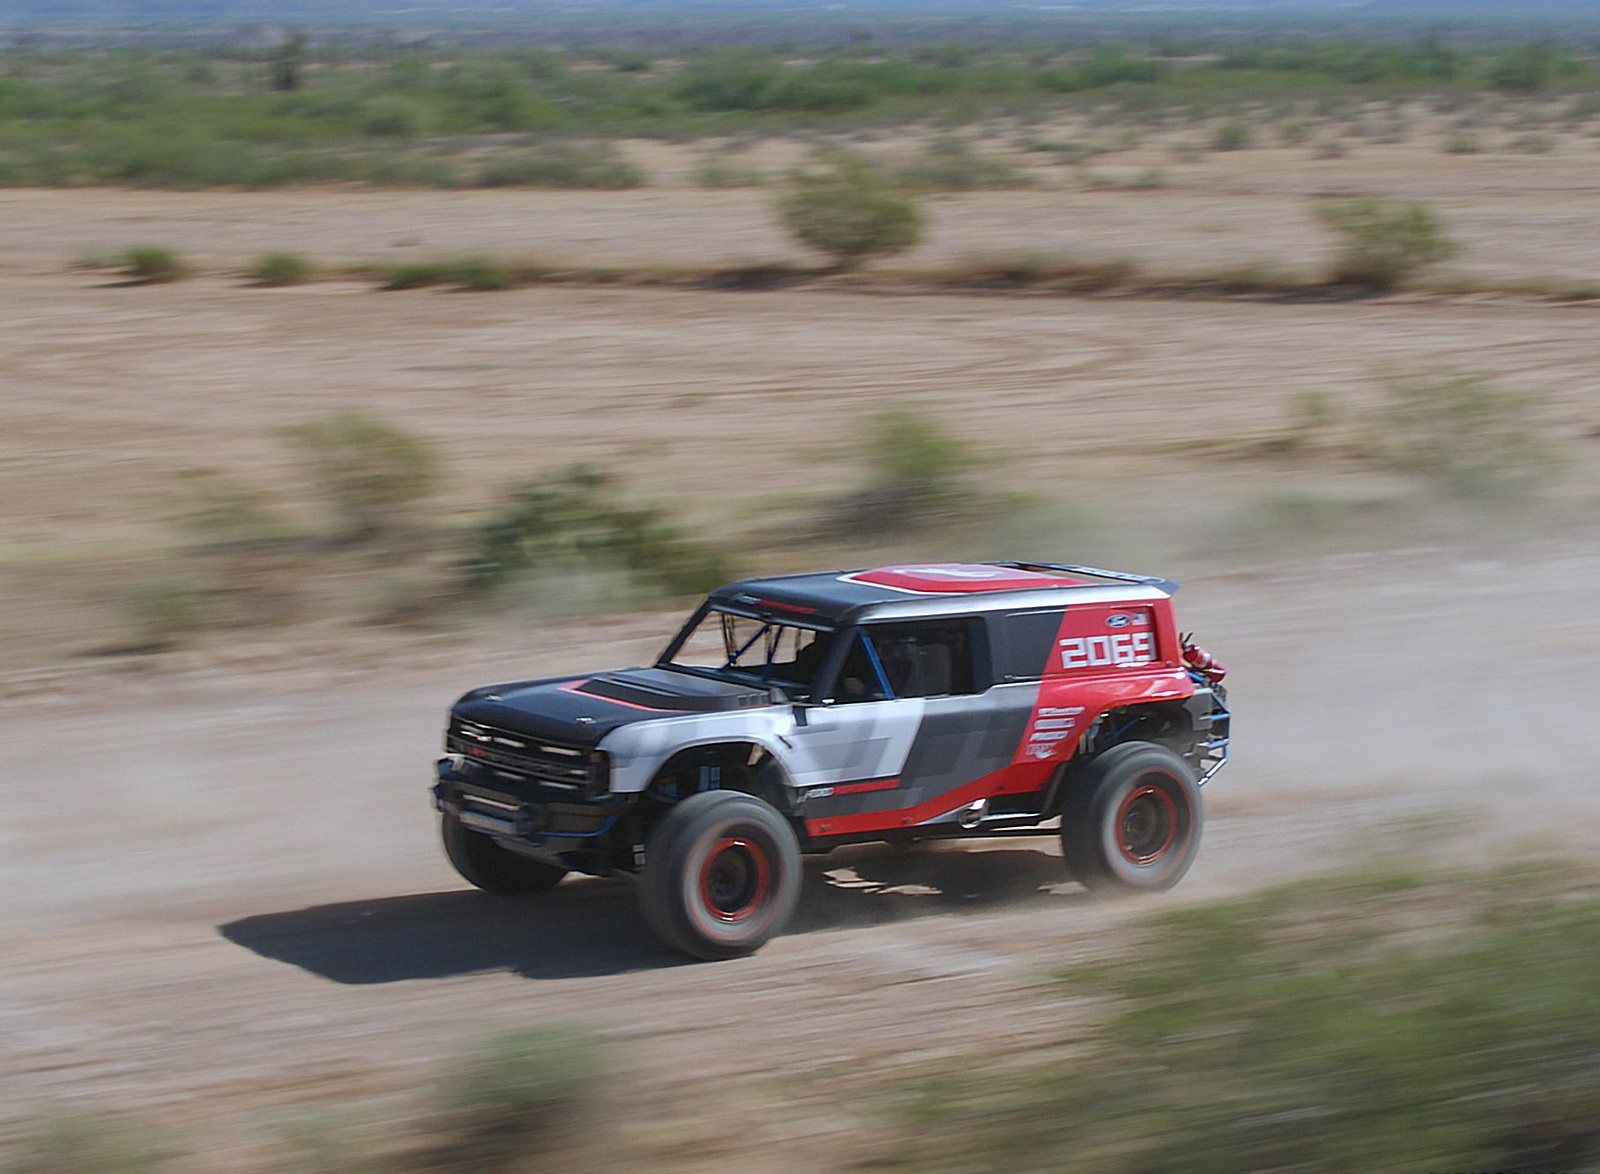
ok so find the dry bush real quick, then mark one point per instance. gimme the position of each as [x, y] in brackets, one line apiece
[166, 609]
[1461, 432]
[89, 1144]
[514, 1106]
[366, 469]
[152, 264]
[279, 269]
[1384, 242]
[572, 521]
[852, 213]
[917, 475]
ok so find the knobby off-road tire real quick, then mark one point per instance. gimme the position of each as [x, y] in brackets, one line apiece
[1132, 821]
[494, 869]
[721, 875]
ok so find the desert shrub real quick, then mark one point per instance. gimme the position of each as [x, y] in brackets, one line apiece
[277, 269]
[393, 117]
[562, 165]
[917, 475]
[166, 609]
[1461, 432]
[850, 212]
[1463, 142]
[573, 519]
[89, 1144]
[152, 264]
[1386, 1021]
[1231, 136]
[1384, 242]
[525, 1093]
[469, 273]
[950, 164]
[366, 469]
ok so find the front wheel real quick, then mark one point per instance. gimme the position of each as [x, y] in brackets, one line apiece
[1132, 821]
[721, 875]
[494, 869]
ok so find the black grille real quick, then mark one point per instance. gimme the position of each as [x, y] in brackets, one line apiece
[507, 753]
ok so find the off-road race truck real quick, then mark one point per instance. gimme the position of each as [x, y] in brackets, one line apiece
[794, 714]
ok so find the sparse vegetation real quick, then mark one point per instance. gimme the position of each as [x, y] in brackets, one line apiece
[918, 475]
[851, 213]
[1383, 243]
[222, 116]
[524, 1093]
[573, 519]
[166, 609]
[90, 1144]
[1461, 432]
[365, 468]
[279, 269]
[1383, 1021]
[950, 164]
[1231, 136]
[152, 265]
[478, 274]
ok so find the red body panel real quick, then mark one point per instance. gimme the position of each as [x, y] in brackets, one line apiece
[1105, 656]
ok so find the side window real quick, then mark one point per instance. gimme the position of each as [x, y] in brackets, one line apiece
[1025, 644]
[919, 659]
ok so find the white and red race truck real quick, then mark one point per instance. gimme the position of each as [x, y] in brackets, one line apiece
[794, 714]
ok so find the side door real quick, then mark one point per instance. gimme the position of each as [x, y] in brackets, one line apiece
[909, 720]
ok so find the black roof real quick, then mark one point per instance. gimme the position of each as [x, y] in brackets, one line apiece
[832, 597]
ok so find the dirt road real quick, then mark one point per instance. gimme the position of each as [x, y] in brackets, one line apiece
[221, 900]
[227, 905]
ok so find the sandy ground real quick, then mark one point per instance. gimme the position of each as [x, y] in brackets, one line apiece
[221, 902]
[225, 907]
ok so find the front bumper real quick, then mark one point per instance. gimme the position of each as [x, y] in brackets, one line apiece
[584, 837]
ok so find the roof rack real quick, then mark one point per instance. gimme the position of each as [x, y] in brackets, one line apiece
[1166, 585]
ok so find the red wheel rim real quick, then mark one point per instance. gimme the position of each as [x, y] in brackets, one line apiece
[1147, 824]
[734, 879]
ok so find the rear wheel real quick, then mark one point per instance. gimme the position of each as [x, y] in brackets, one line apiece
[494, 869]
[721, 875]
[1132, 821]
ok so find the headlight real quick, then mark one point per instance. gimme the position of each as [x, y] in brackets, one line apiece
[599, 784]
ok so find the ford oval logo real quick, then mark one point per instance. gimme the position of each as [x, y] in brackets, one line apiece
[1118, 621]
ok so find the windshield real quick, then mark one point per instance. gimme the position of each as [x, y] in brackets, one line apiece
[750, 650]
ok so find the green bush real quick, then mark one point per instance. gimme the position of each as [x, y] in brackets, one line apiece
[1231, 136]
[152, 264]
[365, 468]
[276, 269]
[167, 609]
[524, 1093]
[572, 520]
[1384, 242]
[393, 117]
[468, 273]
[917, 475]
[89, 1144]
[1462, 432]
[851, 213]
[1391, 1022]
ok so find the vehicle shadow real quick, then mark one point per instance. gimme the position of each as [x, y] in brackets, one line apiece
[589, 927]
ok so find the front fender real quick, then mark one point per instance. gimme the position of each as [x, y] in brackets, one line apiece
[638, 750]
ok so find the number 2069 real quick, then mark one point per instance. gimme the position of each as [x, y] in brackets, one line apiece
[1082, 652]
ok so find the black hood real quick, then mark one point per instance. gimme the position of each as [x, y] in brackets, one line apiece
[582, 710]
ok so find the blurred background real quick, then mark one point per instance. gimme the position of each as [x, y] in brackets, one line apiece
[354, 356]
